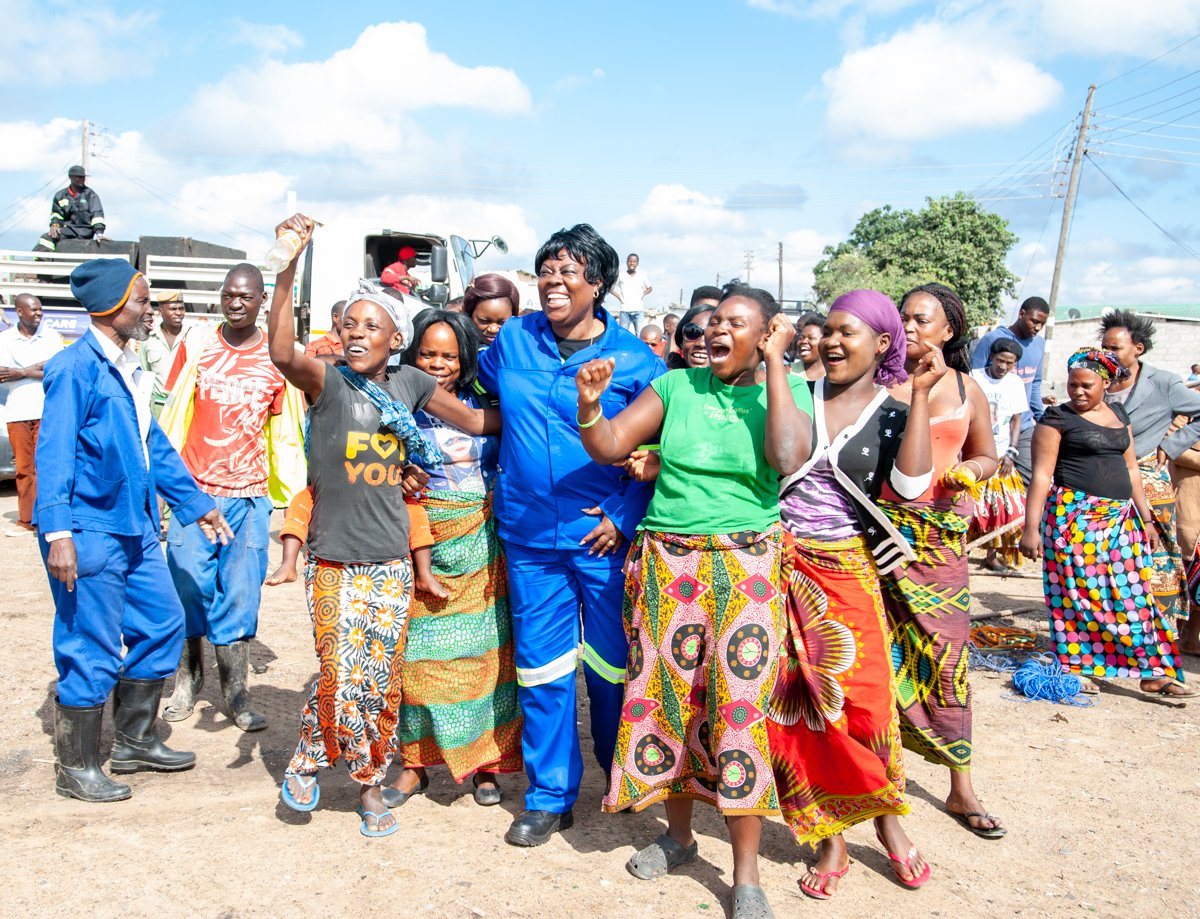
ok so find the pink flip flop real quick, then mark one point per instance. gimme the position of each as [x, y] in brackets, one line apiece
[818, 893]
[911, 883]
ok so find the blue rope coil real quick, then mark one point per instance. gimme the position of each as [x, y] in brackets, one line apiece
[1038, 678]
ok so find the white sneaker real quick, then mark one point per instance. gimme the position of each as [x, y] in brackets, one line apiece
[20, 531]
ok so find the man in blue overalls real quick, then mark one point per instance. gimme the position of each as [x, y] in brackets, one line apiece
[102, 461]
[564, 519]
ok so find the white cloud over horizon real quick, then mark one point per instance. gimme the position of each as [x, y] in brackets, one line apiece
[342, 105]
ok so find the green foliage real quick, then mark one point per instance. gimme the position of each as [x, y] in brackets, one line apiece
[952, 240]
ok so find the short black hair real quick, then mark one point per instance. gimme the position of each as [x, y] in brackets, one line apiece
[246, 270]
[1140, 329]
[464, 331]
[633, 255]
[1034, 305]
[1006, 346]
[584, 244]
[707, 292]
[809, 317]
[766, 303]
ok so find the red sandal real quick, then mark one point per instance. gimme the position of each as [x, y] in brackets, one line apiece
[911, 882]
[819, 893]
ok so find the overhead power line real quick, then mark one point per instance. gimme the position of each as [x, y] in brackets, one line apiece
[1165, 232]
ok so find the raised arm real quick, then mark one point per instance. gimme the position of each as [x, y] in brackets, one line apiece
[914, 463]
[788, 442]
[469, 420]
[611, 440]
[305, 373]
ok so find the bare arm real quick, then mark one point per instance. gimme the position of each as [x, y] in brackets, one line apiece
[916, 451]
[1046, 443]
[305, 373]
[612, 440]
[788, 442]
[452, 410]
[1139, 491]
[979, 449]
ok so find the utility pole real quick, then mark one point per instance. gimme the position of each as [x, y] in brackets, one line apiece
[1069, 206]
[83, 144]
[781, 274]
[749, 264]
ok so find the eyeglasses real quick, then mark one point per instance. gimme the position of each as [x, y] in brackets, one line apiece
[692, 331]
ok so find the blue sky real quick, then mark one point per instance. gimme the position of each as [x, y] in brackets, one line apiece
[690, 133]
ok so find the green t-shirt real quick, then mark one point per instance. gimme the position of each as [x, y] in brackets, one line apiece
[714, 477]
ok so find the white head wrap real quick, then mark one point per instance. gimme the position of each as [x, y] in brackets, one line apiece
[395, 308]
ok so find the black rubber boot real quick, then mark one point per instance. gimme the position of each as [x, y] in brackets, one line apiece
[189, 680]
[233, 666]
[136, 745]
[77, 744]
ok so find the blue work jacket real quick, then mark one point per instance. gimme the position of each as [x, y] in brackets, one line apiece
[546, 478]
[91, 472]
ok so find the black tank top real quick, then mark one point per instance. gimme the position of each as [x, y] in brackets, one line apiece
[1091, 458]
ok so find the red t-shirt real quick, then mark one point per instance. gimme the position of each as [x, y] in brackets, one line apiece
[236, 390]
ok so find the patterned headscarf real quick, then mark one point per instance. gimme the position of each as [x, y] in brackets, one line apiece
[880, 313]
[1104, 363]
[397, 309]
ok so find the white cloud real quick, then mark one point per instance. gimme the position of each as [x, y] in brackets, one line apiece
[677, 208]
[686, 238]
[1112, 26]
[930, 81]
[28, 146]
[270, 39]
[360, 100]
[67, 41]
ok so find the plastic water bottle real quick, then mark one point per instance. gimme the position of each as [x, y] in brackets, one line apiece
[282, 253]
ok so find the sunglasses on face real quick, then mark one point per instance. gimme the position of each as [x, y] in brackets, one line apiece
[692, 331]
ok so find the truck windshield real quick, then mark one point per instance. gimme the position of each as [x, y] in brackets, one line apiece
[464, 258]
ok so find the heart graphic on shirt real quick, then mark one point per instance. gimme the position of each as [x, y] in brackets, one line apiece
[385, 444]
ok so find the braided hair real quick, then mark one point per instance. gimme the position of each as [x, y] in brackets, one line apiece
[956, 350]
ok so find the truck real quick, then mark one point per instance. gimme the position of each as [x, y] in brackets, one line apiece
[342, 252]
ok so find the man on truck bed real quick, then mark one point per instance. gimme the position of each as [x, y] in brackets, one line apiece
[76, 213]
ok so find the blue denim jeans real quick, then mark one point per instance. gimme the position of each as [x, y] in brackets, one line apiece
[220, 586]
[631, 320]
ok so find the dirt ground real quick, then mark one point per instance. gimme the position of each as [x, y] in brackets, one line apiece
[1101, 804]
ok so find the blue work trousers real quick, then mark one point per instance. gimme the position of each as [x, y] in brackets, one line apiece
[219, 586]
[549, 590]
[122, 595]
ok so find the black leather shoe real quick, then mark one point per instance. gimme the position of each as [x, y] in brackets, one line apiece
[394, 797]
[534, 828]
[486, 797]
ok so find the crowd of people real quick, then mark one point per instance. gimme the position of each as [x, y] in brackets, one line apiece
[752, 532]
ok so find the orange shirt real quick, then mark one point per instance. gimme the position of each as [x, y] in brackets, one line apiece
[236, 389]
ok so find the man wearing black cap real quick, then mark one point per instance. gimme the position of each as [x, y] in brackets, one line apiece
[76, 213]
[101, 460]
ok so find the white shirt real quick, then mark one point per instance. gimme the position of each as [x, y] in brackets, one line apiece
[26, 397]
[1006, 397]
[139, 381]
[632, 290]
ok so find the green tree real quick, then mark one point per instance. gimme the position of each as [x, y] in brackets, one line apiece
[952, 240]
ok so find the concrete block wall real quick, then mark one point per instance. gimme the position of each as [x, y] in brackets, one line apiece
[1176, 348]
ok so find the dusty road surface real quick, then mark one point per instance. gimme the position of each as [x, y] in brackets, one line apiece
[1102, 806]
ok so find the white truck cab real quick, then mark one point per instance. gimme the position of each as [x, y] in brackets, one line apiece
[345, 250]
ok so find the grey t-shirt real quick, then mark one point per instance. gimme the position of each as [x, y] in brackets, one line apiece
[355, 468]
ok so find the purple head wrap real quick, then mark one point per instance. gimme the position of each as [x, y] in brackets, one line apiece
[880, 313]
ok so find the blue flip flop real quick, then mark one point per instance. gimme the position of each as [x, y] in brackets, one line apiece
[364, 814]
[306, 782]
